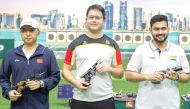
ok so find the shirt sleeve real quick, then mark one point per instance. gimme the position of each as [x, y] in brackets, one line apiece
[135, 62]
[70, 55]
[184, 62]
[5, 72]
[117, 59]
[54, 73]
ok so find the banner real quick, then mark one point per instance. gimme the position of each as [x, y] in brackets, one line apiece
[5, 46]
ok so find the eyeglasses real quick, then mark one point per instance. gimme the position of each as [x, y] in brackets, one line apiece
[27, 29]
[94, 17]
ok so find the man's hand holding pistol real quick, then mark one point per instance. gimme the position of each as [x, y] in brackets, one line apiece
[172, 74]
[15, 94]
[33, 84]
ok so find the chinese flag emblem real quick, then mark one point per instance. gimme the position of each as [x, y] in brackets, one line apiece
[39, 61]
[129, 104]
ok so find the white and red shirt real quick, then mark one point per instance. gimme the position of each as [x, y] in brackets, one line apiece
[84, 52]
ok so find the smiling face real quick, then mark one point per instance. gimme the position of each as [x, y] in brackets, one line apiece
[159, 31]
[29, 35]
[94, 21]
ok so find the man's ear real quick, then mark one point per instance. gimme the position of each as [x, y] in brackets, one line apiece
[38, 32]
[149, 29]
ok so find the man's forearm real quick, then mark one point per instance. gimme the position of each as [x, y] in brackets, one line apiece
[116, 72]
[183, 77]
[69, 77]
[135, 77]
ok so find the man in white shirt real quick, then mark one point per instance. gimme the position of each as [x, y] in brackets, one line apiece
[158, 89]
[84, 51]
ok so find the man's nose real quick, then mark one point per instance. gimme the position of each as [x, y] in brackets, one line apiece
[27, 32]
[160, 31]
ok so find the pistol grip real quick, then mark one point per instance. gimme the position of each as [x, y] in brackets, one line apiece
[85, 85]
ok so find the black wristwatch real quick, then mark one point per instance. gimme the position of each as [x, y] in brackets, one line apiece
[177, 78]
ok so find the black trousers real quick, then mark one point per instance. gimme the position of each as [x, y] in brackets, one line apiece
[104, 104]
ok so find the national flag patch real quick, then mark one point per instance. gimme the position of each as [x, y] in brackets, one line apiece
[39, 61]
[129, 104]
[173, 58]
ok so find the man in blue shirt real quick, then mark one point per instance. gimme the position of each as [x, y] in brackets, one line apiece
[31, 66]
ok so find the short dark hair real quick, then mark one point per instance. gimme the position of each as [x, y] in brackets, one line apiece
[96, 7]
[158, 18]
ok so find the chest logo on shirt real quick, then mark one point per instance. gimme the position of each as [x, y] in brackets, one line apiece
[173, 58]
[108, 42]
[17, 60]
[39, 61]
[85, 42]
[152, 57]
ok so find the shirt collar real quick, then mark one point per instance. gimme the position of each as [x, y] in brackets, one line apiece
[152, 46]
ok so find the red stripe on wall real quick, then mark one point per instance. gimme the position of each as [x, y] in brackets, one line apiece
[118, 57]
[68, 56]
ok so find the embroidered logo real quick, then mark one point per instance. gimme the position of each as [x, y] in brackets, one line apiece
[152, 57]
[39, 61]
[173, 58]
[108, 42]
[85, 42]
[16, 60]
